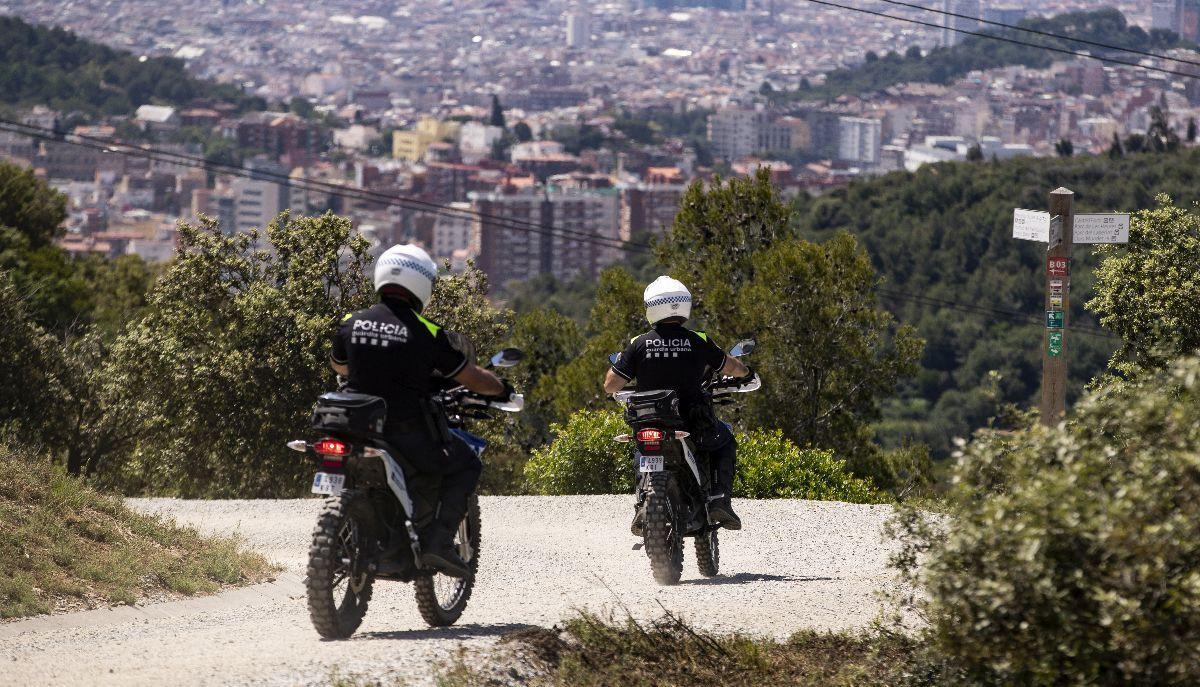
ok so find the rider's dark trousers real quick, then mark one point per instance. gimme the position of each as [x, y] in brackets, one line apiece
[456, 464]
[723, 462]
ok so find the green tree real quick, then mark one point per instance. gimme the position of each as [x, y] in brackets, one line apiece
[618, 315]
[33, 374]
[497, 116]
[522, 131]
[1148, 290]
[827, 354]
[711, 246]
[1064, 147]
[550, 341]
[225, 366]
[975, 153]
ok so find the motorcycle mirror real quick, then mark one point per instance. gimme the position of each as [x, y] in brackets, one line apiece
[508, 357]
[742, 348]
[612, 358]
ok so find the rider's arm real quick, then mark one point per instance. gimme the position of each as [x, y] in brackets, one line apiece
[339, 358]
[479, 380]
[734, 367]
[341, 368]
[614, 382]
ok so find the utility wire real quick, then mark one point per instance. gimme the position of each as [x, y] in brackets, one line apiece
[151, 154]
[1039, 32]
[405, 202]
[1003, 39]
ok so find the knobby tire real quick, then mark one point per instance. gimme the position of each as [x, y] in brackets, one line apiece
[433, 610]
[662, 534]
[345, 516]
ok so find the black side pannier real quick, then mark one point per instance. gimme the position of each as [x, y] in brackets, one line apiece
[354, 415]
[653, 407]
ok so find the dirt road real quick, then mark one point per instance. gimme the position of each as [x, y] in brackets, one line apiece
[796, 564]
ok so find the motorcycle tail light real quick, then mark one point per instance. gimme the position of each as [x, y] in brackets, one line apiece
[331, 447]
[650, 435]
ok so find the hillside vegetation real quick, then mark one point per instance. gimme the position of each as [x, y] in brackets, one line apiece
[65, 546]
[52, 66]
[944, 65]
[944, 235]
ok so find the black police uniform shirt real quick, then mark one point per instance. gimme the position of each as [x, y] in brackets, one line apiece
[393, 352]
[671, 356]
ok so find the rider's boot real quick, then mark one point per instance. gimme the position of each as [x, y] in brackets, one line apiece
[438, 552]
[639, 519]
[720, 509]
[720, 513]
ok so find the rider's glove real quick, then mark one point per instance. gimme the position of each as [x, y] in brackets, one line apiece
[748, 377]
[507, 393]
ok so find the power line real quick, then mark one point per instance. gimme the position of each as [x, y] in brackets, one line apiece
[1039, 32]
[1013, 316]
[154, 155]
[405, 202]
[994, 37]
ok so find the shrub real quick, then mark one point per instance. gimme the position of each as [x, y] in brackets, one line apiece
[1074, 556]
[583, 458]
[771, 467]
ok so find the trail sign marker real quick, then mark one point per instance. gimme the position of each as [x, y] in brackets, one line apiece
[1054, 319]
[1054, 344]
[1031, 225]
[1057, 266]
[1093, 228]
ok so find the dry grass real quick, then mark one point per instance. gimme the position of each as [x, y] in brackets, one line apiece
[591, 651]
[65, 547]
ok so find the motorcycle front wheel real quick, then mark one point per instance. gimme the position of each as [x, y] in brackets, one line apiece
[339, 579]
[441, 599]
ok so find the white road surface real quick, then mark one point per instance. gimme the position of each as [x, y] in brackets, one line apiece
[796, 564]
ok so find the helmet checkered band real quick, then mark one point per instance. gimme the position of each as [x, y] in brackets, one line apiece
[667, 300]
[410, 264]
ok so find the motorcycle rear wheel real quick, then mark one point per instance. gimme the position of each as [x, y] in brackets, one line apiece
[339, 580]
[661, 533]
[441, 599]
[708, 554]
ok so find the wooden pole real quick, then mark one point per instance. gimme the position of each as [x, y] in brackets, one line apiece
[1058, 286]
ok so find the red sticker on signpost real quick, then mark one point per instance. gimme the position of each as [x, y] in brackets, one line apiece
[1056, 267]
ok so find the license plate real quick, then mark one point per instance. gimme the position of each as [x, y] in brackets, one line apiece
[326, 483]
[650, 463]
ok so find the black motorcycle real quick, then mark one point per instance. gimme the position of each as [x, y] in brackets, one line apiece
[672, 478]
[376, 502]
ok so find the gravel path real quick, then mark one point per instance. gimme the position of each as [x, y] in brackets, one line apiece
[796, 564]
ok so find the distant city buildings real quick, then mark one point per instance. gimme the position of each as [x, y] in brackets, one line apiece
[967, 20]
[1180, 16]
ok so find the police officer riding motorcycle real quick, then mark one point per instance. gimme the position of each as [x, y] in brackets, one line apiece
[672, 357]
[389, 350]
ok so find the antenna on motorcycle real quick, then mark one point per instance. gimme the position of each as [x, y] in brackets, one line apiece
[507, 357]
[741, 348]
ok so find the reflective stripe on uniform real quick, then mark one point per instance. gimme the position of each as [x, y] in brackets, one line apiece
[433, 328]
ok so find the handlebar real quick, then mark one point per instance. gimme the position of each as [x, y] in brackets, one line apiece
[721, 388]
[467, 399]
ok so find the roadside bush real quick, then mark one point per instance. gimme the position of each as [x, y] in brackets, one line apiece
[583, 458]
[1074, 556]
[771, 467]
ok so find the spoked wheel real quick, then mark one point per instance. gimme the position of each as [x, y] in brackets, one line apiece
[661, 533]
[708, 553]
[441, 598]
[339, 581]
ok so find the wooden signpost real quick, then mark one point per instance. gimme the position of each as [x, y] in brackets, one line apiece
[1060, 229]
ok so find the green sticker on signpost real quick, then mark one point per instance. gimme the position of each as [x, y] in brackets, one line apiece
[1054, 319]
[1054, 344]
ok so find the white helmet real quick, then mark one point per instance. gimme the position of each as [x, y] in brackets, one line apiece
[408, 266]
[667, 297]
